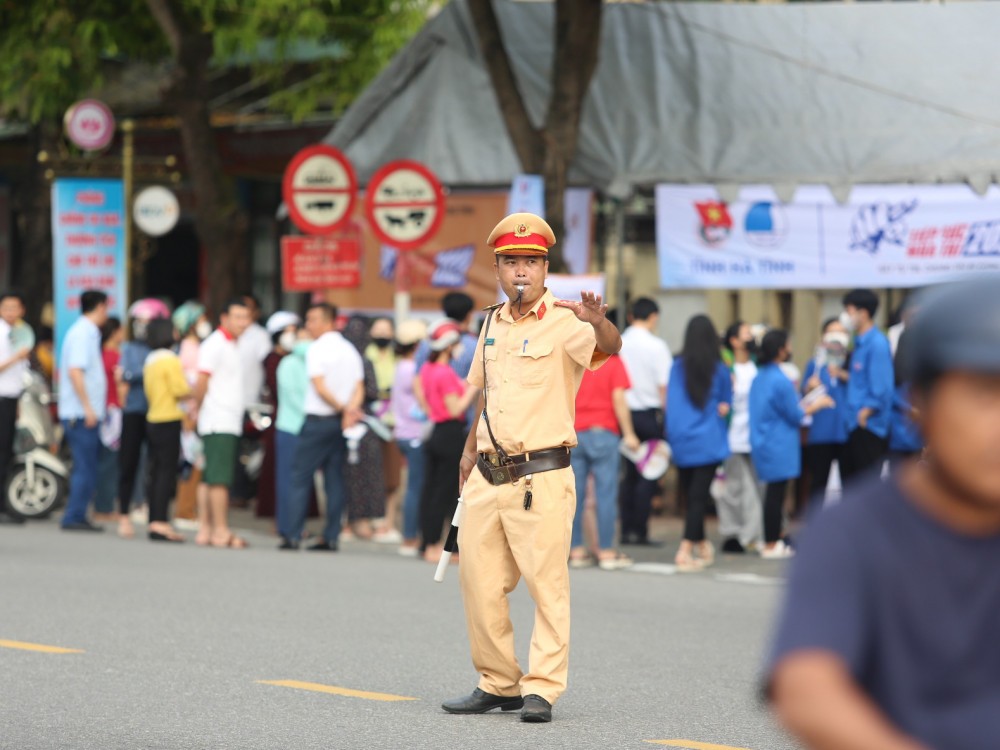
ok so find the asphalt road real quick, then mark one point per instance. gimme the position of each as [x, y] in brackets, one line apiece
[177, 642]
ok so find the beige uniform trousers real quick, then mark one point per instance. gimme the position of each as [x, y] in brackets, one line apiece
[499, 542]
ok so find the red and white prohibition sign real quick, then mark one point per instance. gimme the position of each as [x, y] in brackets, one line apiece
[319, 189]
[404, 204]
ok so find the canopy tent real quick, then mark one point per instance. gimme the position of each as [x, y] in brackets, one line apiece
[826, 93]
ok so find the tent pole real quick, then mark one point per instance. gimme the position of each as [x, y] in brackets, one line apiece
[620, 289]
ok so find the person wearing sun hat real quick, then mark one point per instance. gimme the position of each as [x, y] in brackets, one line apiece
[448, 398]
[518, 491]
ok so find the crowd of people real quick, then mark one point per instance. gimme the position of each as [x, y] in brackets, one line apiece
[156, 409]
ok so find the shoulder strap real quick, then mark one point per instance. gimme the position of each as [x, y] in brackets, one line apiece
[501, 453]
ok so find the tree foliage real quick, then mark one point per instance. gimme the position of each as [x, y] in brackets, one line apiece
[52, 52]
[301, 54]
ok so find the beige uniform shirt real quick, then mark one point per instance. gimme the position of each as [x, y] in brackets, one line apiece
[533, 370]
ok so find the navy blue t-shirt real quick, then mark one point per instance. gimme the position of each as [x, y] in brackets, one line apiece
[911, 607]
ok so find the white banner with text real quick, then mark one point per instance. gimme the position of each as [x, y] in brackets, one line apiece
[884, 236]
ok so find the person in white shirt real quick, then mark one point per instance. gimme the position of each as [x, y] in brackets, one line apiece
[333, 403]
[647, 360]
[13, 368]
[740, 509]
[220, 406]
[254, 346]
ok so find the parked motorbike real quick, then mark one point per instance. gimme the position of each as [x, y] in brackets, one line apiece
[37, 479]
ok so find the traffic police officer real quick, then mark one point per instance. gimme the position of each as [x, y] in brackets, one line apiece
[518, 488]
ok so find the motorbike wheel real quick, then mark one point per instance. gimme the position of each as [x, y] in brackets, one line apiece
[37, 500]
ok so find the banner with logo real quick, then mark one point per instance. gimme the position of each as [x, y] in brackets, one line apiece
[88, 247]
[884, 236]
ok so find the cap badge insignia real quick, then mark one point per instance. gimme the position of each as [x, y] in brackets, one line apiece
[521, 230]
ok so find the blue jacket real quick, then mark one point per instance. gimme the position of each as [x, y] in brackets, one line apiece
[775, 416]
[872, 382]
[697, 437]
[904, 437]
[828, 425]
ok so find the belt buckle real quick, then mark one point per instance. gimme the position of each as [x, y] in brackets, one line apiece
[494, 459]
[501, 475]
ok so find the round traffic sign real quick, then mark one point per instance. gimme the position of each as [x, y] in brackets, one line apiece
[156, 211]
[404, 204]
[90, 124]
[319, 189]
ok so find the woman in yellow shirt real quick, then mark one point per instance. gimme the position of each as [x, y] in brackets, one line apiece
[165, 385]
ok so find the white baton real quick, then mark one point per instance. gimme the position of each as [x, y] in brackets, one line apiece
[451, 544]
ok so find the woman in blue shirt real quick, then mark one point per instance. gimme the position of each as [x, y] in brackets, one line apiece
[827, 438]
[775, 417]
[699, 396]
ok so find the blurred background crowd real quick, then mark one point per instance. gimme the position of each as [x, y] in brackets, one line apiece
[177, 406]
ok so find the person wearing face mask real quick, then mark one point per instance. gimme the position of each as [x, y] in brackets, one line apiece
[382, 354]
[192, 327]
[457, 307]
[869, 388]
[775, 417]
[281, 327]
[448, 399]
[292, 385]
[740, 506]
[827, 438]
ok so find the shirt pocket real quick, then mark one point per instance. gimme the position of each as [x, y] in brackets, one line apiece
[492, 373]
[535, 366]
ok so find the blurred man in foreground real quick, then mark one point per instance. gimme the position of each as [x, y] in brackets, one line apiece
[889, 635]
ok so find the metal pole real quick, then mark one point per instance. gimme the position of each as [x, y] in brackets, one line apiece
[128, 168]
[620, 301]
[401, 299]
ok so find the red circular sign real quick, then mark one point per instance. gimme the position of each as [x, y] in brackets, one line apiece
[404, 204]
[90, 124]
[319, 189]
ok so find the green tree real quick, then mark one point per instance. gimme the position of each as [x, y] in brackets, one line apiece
[52, 52]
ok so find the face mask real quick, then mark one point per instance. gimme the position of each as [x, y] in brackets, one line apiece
[381, 343]
[847, 321]
[751, 346]
[203, 329]
[139, 330]
[457, 351]
[287, 340]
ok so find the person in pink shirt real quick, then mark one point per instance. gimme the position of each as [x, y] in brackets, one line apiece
[448, 398]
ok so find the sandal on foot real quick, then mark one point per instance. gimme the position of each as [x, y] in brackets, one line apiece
[706, 553]
[688, 564]
[233, 542]
[616, 562]
[159, 536]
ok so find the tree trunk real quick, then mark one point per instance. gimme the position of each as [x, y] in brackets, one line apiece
[548, 151]
[33, 204]
[221, 224]
[574, 59]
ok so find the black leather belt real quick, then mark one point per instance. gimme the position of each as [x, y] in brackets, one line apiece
[534, 462]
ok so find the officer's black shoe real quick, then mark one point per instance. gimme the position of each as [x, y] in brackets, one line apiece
[536, 709]
[480, 702]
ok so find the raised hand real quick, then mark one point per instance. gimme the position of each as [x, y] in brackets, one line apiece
[590, 309]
